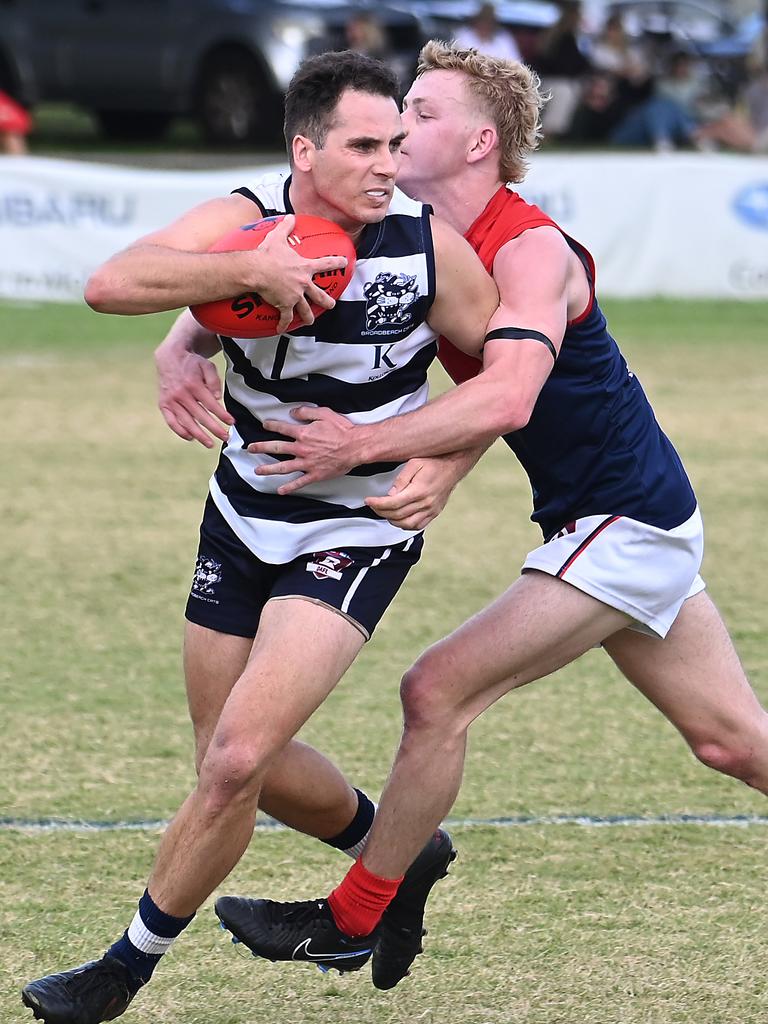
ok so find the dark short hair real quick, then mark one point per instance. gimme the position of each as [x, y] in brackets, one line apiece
[316, 89]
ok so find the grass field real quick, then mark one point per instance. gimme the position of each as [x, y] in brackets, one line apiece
[546, 924]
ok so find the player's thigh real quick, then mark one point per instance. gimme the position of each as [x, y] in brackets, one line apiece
[302, 787]
[230, 587]
[537, 626]
[693, 675]
[301, 650]
[213, 662]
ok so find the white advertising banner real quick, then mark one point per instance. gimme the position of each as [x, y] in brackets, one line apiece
[681, 225]
[59, 219]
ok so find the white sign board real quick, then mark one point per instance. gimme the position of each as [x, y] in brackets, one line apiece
[680, 225]
[683, 225]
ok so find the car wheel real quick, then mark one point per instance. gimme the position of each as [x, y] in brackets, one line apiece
[235, 104]
[129, 125]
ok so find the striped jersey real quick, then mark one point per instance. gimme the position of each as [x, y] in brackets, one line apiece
[367, 359]
[592, 445]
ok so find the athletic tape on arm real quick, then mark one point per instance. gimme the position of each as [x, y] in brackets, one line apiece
[521, 334]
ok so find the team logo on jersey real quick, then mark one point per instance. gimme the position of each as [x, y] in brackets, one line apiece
[329, 564]
[207, 575]
[390, 301]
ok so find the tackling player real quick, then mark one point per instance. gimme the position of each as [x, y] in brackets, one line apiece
[622, 530]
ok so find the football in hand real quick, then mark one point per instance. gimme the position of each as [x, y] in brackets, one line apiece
[248, 315]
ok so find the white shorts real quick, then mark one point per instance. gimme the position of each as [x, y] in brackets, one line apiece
[639, 569]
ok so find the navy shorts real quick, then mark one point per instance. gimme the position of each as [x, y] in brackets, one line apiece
[231, 585]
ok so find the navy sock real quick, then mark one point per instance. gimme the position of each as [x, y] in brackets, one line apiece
[149, 936]
[357, 830]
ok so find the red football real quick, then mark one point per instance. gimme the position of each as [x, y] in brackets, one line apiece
[248, 315]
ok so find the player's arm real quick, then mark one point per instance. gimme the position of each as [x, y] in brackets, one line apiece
[171, 268]
[422, 488]
[524, 338]
[189, 387]
[522, 343]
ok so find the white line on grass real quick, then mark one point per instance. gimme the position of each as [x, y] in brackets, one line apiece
[270, 825]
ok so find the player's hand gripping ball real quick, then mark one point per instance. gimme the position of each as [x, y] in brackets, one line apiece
[249, 315]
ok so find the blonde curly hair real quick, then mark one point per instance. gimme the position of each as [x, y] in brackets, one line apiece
[510, 92]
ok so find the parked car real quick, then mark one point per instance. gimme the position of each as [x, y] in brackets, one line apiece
[137, 64]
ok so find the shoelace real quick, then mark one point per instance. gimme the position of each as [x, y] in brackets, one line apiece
[297, 913]
[98, 980]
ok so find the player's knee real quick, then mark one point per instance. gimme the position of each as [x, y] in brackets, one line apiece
[426, 701]
[731, 757]
[231, 771]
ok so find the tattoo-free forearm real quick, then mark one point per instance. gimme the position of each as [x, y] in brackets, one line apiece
[471, 415]
[464, 461]
[151, 278]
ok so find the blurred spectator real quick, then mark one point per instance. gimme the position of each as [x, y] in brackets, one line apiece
[484, 33]
[563, 67]
[365, 35]
[660, 122]
[755, 94]
[15, 125]
[598, 111]
[685, 110]
[716, 120]
[757, 61]
[615, 53]
[756, 104]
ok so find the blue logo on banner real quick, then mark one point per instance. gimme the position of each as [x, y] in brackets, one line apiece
[751, 205]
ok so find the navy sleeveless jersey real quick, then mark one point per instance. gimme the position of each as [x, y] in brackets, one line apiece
[592, 445]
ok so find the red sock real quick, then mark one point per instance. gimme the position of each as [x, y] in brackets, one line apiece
[358, 903]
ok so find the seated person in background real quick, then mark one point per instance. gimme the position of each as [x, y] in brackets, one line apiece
[755, 99]
[365, 35]
[484, 33]
[563, 67]
[685, 110]
[615, 53]
[716, 120]
[755, 93]
[598, 112]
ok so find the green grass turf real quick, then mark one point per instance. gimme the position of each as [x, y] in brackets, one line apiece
[533, 926]
[100, 507]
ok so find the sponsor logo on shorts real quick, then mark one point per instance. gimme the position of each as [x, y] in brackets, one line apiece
[329, 564]
[207, 575]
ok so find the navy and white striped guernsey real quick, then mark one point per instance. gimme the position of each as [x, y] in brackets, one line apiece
[367, 358]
